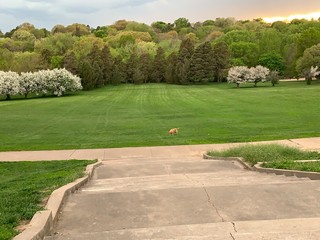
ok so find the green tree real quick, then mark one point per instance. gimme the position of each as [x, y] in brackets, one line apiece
[131, 66]
[107, 64]
[311, 57]
[183, 62]
[280, 26]
[201, 64]
[56, 62]
[308, 39]
[26, 62]
[118, 71]
[238, 36]
[58, 29]
[221, 59]
[94, 57]
[6, 59]
[138, 76]
[273, 61]
[120, 25]
[170, 72]
[181, 23]
[145, 66]
[77, 29]
[247, 52]
[273, 77]
[270, 41]
[162, 27]
[101, 32]
[70, 63]
[87, 74]
[158, 69]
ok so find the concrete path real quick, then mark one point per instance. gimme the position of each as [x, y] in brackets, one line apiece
[172, 193]
[189, 198]
[143, 152]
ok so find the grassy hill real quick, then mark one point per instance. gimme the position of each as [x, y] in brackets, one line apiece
[141, 115]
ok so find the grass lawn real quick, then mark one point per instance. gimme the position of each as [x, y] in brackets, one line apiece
[275, 154]
[24, 185]
[290, 165]
[141, 115]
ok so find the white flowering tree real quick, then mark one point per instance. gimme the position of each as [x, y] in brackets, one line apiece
[238, 75]
[243, 74]
[56, 82]
[258, 74]
[311, 73]
[27, 83]
[9, 84]
[64, 81]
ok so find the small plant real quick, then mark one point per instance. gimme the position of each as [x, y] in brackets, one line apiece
[273, 77]
[266, 153]
[310, 74]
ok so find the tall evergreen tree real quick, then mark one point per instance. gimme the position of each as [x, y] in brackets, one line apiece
[107, 64]
[145, 66]
[97, 64]
[70, 63]
[158, 69]
[221, 59]
[183, 62]
[118, 71]
[170, 72]
[87, 74]
[131, 65]
[201, 67]
[138, 76]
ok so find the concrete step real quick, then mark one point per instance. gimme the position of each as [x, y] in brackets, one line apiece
[222, 178]
[122, 169]
[291, 229]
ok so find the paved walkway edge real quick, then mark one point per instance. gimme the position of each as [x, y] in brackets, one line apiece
[43, 221]
[300, 174]
[258, 167]
[237, 159]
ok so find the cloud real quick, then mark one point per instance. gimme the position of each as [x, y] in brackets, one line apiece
[47, 13]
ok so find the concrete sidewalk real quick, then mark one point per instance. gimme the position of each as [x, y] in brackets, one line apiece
[143, 152]
[189, 198]
[171, 192]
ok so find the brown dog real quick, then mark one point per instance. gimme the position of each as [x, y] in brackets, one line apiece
[173, 131]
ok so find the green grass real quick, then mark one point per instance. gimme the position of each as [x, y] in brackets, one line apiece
[24, 185]
[267, 153]
[290, 165]
[141, 115]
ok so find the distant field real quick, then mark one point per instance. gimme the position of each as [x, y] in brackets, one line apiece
[141, 115]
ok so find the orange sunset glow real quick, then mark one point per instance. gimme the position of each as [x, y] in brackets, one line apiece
[309, 16]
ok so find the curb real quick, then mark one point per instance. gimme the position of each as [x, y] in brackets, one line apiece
[300, 174]
[258, 168]
[237, 159]
[43, 221]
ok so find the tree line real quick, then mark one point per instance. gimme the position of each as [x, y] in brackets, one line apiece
[180, 53]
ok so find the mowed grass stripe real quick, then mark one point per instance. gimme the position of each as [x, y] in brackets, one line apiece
[141, 115]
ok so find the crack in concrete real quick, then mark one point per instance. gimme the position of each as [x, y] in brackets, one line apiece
[208, 197]
[212, 204]
[234, 227]
[72, 153]
[232, 236]
[294, 142]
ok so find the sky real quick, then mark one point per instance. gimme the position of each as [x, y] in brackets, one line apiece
[48, 13]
